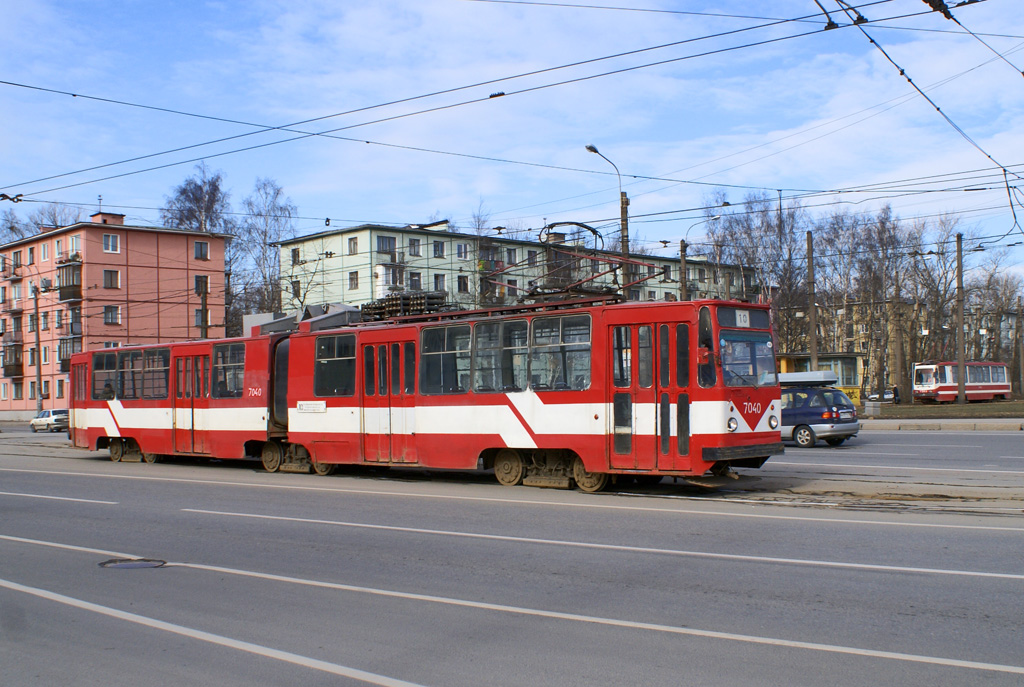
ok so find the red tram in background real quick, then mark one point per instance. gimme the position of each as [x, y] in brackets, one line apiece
[547, 395]
[936, 382]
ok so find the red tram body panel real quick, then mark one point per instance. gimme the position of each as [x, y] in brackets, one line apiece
[545, 395]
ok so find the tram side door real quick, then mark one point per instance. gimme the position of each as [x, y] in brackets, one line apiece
[191, 403]
[376, 403]
[634, 417]
[389, 377]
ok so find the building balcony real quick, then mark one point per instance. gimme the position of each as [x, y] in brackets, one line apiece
[12, 272]
[13, 305]
[69, 293]
[12, 337]
[14, 369]
[390, 257]
[66, 256]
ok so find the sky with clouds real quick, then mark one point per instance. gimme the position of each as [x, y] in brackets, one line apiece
[390, 119]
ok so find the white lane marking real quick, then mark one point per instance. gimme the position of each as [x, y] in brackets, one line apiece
[619, 547]
[628, 624]
[534, 502]
[1013, 457]
[259, 650]
[895, 467]
[56, 498]
[846, 452]
[449, 601]
[917, 444]
[67, 547]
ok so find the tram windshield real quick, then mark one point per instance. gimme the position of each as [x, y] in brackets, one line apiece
[748, 358]
[924, 376]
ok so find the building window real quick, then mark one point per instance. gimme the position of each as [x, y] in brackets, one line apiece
[702, 274]
[531, 258]
[46, 355]
[415, 281]
[387, 244]
[111, 314]
[353, 245]
[353, 280]
[200, 318]
[16, 259]
[296, 289]
[652, 295]
[32, 356]
[202, 284]
[46, 388]
[462, 251]
[513, 286]
[44, 252]
[31, 322]
[510, 256]
[31, 390]
[463, 283]
[111, 279]
[438, 249]
[58, 321]
[202, 250]
[3, 391]
[438, 282]
[111, 344]
[111, 243]
[60, 388]
[296, 256]
[44, 319]
[414, 247]
[19, 391]
[31, 256]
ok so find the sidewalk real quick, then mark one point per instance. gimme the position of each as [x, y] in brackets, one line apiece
[947, 425]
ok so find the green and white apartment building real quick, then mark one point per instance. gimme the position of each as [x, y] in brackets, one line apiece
[360, 264]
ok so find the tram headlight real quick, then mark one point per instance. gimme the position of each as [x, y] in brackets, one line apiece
[773, 421]
[731, 425]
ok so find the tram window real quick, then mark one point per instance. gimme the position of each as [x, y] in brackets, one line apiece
[445, 360]
[998, 374]
[499, 362]
[228, 370]
[663, 366]
[396, 369]
[645, 357]
[129, 375]
[743, 318]
[560, 354]
[622, 356]
[334, 373]
[156, 369]
[706, 375]
[369, 378]
[382, 369]
[410, 368]
[683, 355]
[104, 371]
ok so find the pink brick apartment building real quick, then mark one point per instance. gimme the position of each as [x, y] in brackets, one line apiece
[101, 284]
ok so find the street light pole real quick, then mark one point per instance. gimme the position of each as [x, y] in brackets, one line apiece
[683, 245]
[961, 344]
[623, 213]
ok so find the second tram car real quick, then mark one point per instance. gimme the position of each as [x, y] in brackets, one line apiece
[548, 395]
[937, 382]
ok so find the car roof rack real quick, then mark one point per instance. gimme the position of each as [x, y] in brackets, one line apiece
[817, 378]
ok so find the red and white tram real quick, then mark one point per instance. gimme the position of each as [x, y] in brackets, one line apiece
[545, 394]
[937, 382]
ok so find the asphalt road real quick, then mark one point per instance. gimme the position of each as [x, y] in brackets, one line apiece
[296, 579]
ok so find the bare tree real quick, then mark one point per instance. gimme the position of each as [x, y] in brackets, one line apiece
[54, 215]
[256, 268]
[200, 203]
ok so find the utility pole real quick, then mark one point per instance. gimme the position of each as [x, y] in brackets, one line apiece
[39, 352]
[1020, 344]
[961, 344]
[623, 218]
[683, 295]
[203, 288]
[812, 309]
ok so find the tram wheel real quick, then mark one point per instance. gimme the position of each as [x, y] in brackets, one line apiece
[508, 467]
[588, 481]
[324, 469]
[804, 436]
[271, 456]
[150, 457]
[116, 450]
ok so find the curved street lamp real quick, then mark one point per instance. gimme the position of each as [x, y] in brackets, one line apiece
[623, 212]
[683, 295]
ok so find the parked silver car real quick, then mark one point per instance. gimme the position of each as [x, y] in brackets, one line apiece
[49, 421]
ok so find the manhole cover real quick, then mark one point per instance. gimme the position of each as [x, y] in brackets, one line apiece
[133, 563]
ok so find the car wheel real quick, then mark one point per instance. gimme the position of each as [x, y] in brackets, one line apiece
[804, 436]
[835, 441]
